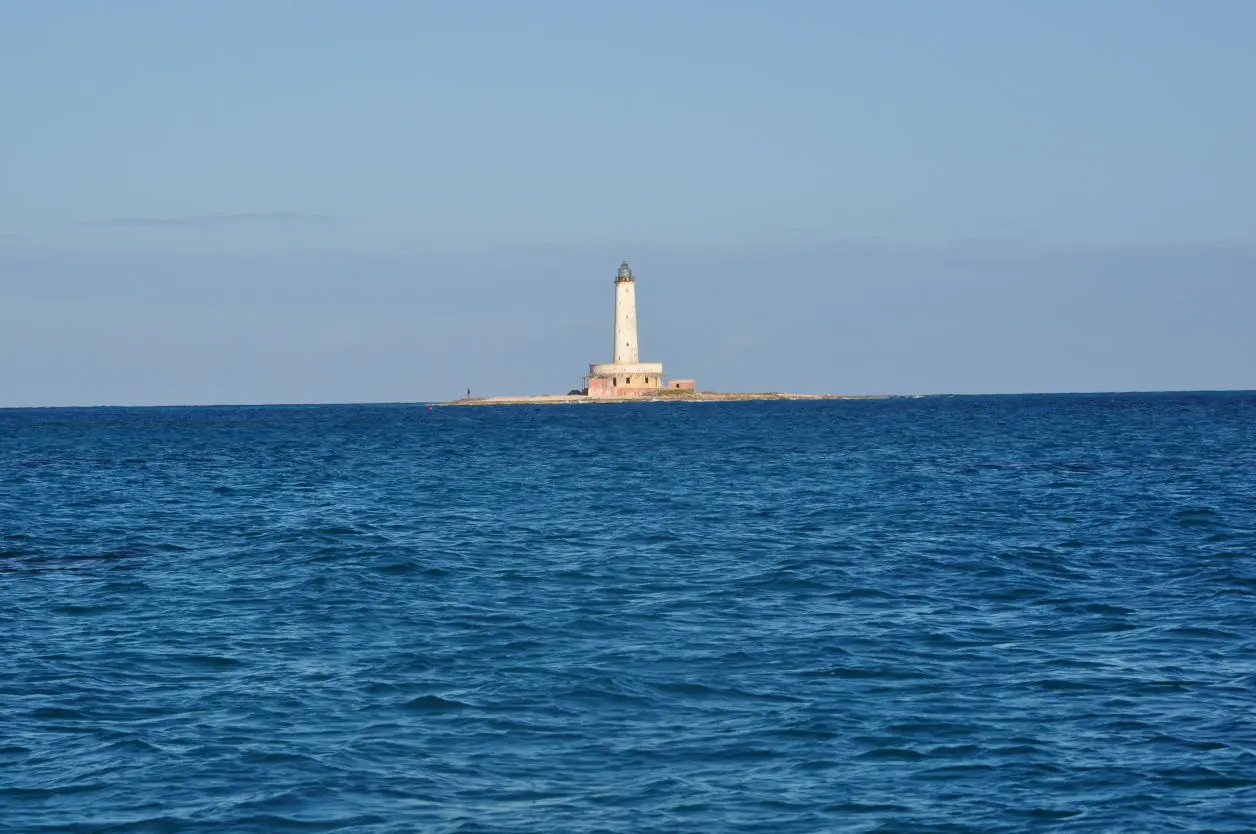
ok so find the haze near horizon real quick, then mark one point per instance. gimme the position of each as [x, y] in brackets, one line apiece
[314, 201]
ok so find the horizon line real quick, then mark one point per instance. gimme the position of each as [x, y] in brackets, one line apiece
[853, 397]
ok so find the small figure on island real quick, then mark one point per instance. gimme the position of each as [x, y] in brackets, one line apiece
[468, 393]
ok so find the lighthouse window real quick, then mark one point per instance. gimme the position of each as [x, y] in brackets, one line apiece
[614, 382]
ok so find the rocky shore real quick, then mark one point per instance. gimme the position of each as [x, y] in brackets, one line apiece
[663, 396]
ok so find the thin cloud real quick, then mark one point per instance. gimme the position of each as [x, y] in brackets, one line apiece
[9, 237]
[219, 221]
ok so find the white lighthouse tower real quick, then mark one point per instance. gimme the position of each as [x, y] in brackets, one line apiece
[626, 376]
[625, 351]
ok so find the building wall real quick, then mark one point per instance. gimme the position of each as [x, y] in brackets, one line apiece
[601, 387]
[625, 352]
[638, 380]
[681, 384]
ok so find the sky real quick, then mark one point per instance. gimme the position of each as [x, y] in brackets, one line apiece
[258, 201]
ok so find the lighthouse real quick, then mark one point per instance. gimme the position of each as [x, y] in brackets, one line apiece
[625, 351]
[625, 375]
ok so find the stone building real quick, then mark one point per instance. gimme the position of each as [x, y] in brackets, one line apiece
[626, 376]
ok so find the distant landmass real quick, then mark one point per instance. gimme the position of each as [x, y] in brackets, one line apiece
[659, 396]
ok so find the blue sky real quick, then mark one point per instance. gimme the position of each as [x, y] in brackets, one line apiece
[306, 200]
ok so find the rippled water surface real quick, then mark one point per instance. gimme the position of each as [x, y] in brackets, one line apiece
[951, 614]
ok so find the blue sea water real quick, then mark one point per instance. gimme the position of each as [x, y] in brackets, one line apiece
[940, 614]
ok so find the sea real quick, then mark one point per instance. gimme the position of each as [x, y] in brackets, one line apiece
[951, 614]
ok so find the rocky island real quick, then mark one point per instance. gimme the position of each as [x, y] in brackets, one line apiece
[627, 379]
[660, 396]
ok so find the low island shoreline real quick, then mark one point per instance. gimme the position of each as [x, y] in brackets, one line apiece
[663, 395]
